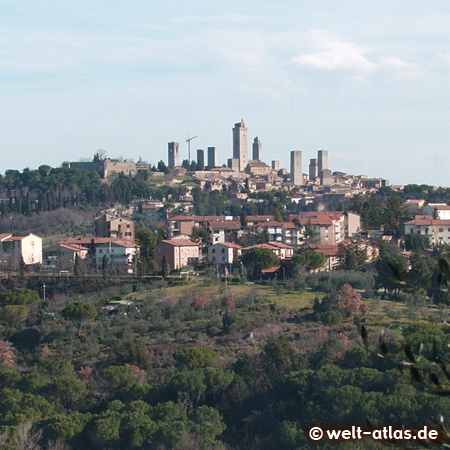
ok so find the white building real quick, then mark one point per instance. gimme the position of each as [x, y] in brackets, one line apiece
[437, 231]
[15, 248]
[224, 253]
[273, 227]
[439, 210]
[120, 255]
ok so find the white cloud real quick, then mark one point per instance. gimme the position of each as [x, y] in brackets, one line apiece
[331, 53]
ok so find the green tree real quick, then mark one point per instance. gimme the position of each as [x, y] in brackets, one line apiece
[80, 313]
[118, 376]
[258, 259]
[243, 219]
[278, 215]
[416, 242]
[331, 318]
[391, 268]
[54, 366]
[208, 423]
[165, 267]
[19, 296]
[264, 237]
[196, 357]
[309, 260]
[72, 393]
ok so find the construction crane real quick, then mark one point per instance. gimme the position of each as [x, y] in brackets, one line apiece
[188, 140]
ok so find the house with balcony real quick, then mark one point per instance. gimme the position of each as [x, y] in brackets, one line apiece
[328, 227]
[273, 227]
[437, 231]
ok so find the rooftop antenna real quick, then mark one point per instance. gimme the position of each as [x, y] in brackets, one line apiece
[188, 140]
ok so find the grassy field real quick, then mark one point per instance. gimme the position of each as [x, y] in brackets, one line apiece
[280, 296]
[383, 314]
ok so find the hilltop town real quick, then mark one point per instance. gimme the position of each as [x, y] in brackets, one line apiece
[194, 305]
[257, 205]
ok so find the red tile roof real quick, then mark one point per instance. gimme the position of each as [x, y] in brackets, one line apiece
[289, 225]
[229, 245]
[273, 269]
[281, 245]
[181, 243]
[73, 247]
[271, 223]
[328, 250]
[97, 241]
[427, 221]
[225, 225]
[16, 238]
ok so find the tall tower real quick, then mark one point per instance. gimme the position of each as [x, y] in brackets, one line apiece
[200, 159]
[296, 167]
[212, 157]
[257, 149]
[322, 163]
[174, 154]
[240, 151]
[313, 174]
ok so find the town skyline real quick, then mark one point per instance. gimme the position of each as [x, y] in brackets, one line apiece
[305, 77]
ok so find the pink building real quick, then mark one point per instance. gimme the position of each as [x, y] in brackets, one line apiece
[179, 253]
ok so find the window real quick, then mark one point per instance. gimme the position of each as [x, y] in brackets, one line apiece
[223, 250]
[100, 251]
[441, 230]
[214, 250]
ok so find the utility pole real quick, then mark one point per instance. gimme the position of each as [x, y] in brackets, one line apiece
[43, 289]
[188, 140]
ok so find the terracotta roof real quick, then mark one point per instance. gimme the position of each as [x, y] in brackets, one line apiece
[280, 245]
[229, 245]
[181, 243]
[74, 247]
[225, 225]
[259, 218]
[4, 236]
[289, 225]
[268, 246]
[197, 218]
[316, 221]
[271, 223]
[97, 241]
[183, 218]
[439, 206]
[328, 250]
[427, 221]
[273, 269]
[322, 216]
[16, 238]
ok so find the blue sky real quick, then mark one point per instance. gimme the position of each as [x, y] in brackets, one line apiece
[368, 81]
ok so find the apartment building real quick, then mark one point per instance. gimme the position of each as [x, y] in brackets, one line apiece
[437, 231]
